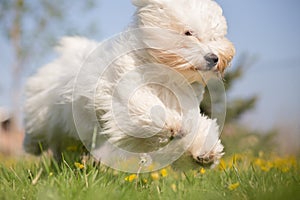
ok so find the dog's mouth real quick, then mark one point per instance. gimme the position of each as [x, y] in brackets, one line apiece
[206, 69]
[206, 75]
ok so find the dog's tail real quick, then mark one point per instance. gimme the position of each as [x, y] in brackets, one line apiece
[50, 87]
[75, 47]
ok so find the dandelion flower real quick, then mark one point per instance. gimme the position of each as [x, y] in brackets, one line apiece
[78, 165]
[155, 176]
[263, 164]
[222, 165]
[131, 177]
[236, 158]
[163, 172]
[284, 164]
[145, 181]
[233, 186]
[202, 171]
[285, 169]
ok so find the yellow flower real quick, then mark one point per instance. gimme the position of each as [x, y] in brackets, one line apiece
[174, 187]
[163, 172]
[236, 158]
[259, 162]
[263, 164]
[131, 177]
[78, 165]
[284, 164]
[267, 166]
[202, 171]
[233, 186]
[145, 180]
[285, 169]
[51, 174]
[222, 165]
[155, 176]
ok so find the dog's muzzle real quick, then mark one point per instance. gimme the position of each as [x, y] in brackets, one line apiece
[211, 60]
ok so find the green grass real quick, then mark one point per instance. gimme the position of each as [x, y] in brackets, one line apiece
[242, 176]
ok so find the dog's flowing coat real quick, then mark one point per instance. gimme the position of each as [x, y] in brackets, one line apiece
[190, 31]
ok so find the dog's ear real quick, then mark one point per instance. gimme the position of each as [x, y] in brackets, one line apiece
[142, 3]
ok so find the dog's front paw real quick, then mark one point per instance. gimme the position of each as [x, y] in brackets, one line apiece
[209, 160]
[176, 134]
[209, 155]
[205, 159]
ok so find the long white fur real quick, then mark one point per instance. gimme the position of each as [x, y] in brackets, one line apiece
[48, 108]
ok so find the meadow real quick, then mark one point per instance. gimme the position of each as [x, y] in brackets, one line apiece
[238, 176]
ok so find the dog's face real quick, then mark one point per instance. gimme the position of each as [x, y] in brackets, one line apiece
[187, 35]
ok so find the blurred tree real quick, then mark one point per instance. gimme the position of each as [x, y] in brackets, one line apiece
[31, 27]
[239, 138]
[237, 107]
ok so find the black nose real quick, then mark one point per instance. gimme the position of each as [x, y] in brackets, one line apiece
[211, 59]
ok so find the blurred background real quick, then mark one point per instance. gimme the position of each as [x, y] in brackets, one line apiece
[263, 99]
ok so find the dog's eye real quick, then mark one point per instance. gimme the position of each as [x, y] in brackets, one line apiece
[188, 33]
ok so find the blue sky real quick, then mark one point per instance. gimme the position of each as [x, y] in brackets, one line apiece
[268, 30]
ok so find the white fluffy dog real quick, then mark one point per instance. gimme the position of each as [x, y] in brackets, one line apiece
[187, 36]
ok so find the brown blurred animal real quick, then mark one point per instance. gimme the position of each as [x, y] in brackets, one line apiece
[11, 136]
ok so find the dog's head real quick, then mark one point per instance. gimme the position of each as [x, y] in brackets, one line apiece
[187, 35]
